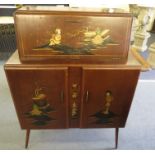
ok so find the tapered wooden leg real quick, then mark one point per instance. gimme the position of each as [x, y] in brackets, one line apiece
[116, 137]
[27, 138]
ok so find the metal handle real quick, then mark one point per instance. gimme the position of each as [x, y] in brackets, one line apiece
[62, 97]
[87, 96]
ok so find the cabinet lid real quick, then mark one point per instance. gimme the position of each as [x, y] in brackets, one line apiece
[72, 35]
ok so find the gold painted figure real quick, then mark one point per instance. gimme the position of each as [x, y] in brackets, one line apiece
[109, 99]
[74, 110]
[56, 38]
[97, 37]
[39, 113]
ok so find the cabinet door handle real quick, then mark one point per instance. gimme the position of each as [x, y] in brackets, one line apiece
[62, 97]
[87, 96]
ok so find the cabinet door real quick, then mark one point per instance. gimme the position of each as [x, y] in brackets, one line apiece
[40, 96]
[107, 96]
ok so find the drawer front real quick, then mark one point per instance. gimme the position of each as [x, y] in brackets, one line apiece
[107, 96]
[73, 38]
[40, 97]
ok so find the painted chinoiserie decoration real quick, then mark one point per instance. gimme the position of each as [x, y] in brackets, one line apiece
[74, 100]
[92, 40]
[74, 111]
[106, 115]
[72, 36]
[40, 108]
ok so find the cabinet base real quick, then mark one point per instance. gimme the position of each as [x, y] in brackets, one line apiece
[28, 136]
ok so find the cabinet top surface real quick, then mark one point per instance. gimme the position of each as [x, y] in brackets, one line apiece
[15, 61]
[49, 9]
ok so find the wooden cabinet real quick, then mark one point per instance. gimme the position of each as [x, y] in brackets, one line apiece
[71, 96]
[74, 70]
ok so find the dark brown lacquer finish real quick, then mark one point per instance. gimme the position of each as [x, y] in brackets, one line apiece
[72, 36]
[40, 96]
[107, 96]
